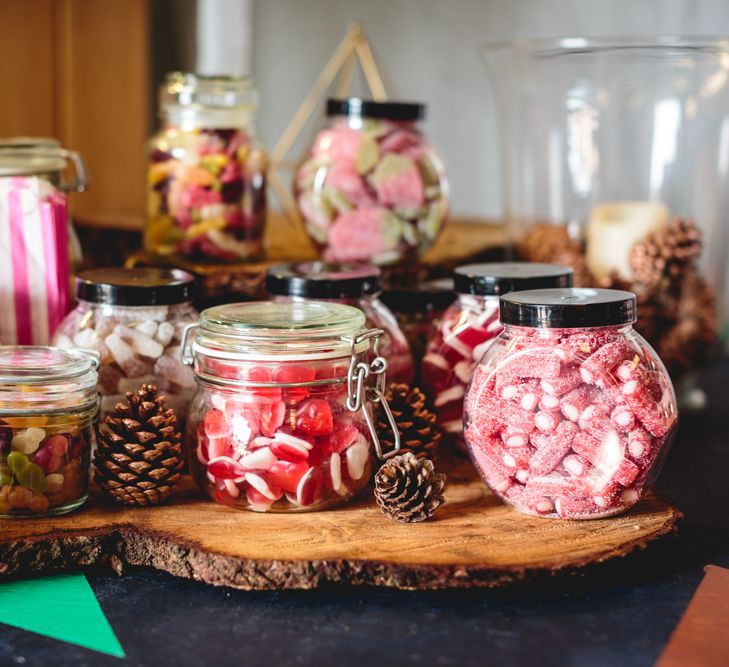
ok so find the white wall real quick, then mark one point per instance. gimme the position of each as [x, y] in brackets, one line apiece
[430, 49]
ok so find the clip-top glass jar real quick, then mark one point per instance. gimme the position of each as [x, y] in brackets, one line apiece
[48, 403]
[470, 325]
[134, 319]
[207, 175]
[354, 285]
[372, 188]
[280, 420]
[571, 412]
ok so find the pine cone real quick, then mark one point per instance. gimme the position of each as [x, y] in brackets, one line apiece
[666, 254]
[139, 453]
[408, 489]
[415, 419]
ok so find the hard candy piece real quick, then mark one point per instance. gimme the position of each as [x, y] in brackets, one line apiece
[109, 377]
[257, 501]
[171, 368]
[87, 339]
[149, 328]
[644, 407]
[263, 487]
[271, 417]
[287, 474]
[259, 459]
[164, 334]
[539, 363]
[289, 451]
[143, 345]
[602, 361]
[123, 354]
[548, 457]
[314, 417]
[224, 467]
[28, 440]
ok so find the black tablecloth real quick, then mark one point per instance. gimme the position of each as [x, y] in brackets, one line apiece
[619, 613]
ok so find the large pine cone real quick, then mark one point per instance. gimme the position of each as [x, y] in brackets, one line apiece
[415, 419]
[139, 456]
[408, 489]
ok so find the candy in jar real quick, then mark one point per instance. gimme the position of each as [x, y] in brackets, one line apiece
[48, 405]
[354, 285]
[570, 413]
[280, 421]
[470, 325]
[372, 188]
[134, 319]
[206, 185]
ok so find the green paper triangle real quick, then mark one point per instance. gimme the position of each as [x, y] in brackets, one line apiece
[62, 607]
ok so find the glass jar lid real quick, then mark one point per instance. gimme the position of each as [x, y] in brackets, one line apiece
[358, 108]
[427, 297]
[186, 89]
[269, 330]
[26, 156]
[37, 379]
[568, 308]
[322, 280]
[135, 287]
[498, 278]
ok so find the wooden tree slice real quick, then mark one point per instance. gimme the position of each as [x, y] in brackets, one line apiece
[473, 540]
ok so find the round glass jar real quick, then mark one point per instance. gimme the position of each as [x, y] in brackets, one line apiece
[206, 180]
[48, 404]
[470, 325]
[372, 189]
[570, 413]
[279, 422]
[354, 285]
[134, 319]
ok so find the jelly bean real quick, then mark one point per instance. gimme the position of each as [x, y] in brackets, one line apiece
[54, 482]
[27, 441]
[20, 497]
[39, 503]
[18, 462]
[33, 478]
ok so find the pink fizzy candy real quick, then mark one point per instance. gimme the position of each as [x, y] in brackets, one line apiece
[548, 457]
[575, 507]
[596, 422]
[575, 465]
[496, 474]
[568, 380]
[546, 422]
[539, 363]
[485, 415]
[516, 418]
[646, 409]
[548, 403]
[526, 394]
[622, 418]
[632, 370]
[517, 457]
[604, 360]
[575, 402]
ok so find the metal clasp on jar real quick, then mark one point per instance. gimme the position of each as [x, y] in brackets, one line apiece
[359, 391]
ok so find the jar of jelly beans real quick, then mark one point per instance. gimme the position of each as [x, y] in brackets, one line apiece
[470, 325]
[372, 188]
[206, 180]
[134, 320]
[281, 420]
[352, 284]
[48, 404]
[570, 413]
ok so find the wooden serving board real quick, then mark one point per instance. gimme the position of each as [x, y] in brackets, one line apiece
[473, 540]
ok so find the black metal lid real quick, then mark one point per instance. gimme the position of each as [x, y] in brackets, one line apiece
[356, 106]
[502, 277]
[568, 308]
[431, 296]
[323, 280]
[135, 287]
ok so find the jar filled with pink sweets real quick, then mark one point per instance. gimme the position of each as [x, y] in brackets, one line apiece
[470, 325]
[282, 420]
[372, 188]
[355, 285]
[206, 180]
[570, 413]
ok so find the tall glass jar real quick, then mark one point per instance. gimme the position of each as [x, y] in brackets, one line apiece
[615, 157]
[206, 180]
[570, 412]
[280, 421]
[470, 325]
[372, 188]
[48, 404]
[134, 319]
[355, 285]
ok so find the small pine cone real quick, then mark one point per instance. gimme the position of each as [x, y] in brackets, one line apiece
[139, 453]
[416, 421]
[408, 489]
[666, 254]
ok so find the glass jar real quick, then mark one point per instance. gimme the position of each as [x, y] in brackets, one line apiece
[48, 404]
[372, 189]
[354, 285]
[570, 413]
[470, 325]
[279, 422]
[206, 180]
[134, 319]
[615, 159]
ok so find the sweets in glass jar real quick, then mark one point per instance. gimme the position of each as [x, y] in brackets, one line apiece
[272, 427]
[570, 413]
[207, 175]
[372, 188]
[470, 325]
[47, 409]
[354, 285]
[134, 320]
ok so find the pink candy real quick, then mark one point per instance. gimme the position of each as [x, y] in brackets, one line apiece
[572, 433]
